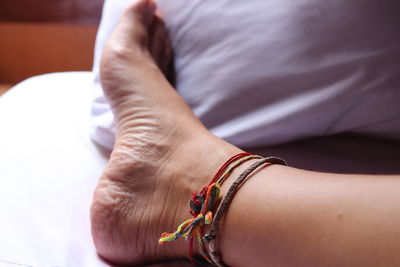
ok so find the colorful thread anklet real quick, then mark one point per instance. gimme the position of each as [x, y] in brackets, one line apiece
[202, 204]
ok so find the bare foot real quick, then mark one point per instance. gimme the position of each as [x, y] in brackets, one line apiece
[162, 152]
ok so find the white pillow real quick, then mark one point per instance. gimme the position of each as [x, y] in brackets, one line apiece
[267, 72]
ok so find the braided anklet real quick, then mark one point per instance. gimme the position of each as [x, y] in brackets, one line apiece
[210, 237]
[202, 204]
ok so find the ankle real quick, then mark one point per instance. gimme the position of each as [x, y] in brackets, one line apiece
[196, 165]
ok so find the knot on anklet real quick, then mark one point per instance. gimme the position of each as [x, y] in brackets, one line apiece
[209, 236]
[197, 201]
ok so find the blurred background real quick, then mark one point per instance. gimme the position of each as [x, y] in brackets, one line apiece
[45, 36]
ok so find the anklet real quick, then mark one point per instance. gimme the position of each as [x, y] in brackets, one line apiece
[202, 204]
[210, 237]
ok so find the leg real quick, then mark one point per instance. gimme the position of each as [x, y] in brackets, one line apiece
[281, 216]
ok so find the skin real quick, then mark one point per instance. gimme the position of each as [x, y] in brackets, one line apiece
[281, 216]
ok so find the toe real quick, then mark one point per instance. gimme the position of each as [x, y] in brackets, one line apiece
[159, 44]
[141, 11]
[128, 43]
[136, 20]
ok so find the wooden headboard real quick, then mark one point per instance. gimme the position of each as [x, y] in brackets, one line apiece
[46, 36]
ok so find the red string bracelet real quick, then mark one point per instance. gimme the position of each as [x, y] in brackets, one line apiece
[202, 204]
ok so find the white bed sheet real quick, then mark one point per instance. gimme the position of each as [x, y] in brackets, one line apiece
[48, 171]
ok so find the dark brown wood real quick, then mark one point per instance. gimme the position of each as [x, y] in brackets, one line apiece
[65, 11]
[28, 49]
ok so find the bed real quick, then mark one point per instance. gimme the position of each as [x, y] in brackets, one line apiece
[49, 168]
